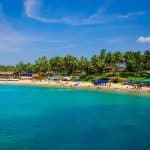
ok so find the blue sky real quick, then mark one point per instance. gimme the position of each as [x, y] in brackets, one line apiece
[33, 28]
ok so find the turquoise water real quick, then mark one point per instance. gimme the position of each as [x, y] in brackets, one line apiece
[38, 118]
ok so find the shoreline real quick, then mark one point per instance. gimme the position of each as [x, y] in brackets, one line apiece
[115, 88]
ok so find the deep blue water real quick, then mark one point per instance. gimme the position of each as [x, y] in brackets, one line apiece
[38, 118]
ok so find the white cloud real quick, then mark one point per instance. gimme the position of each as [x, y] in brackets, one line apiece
[33, 8]
[131, 14]
[143, 39]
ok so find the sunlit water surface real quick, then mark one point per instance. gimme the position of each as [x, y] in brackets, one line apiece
[38, 118]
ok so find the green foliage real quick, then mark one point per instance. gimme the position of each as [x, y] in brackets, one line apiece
[109, 59]
[117, 80]
[83, 65]
[147, 60]
[71, 64]
[134, 61]
[98, 63]
[42, 65]
[57, 64]
[118, 58]
[87, 77]
[109, 74]
[134, 64]
[7, 68]
[20, 68]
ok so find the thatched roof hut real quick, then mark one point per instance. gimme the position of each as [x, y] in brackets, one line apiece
[6, 75]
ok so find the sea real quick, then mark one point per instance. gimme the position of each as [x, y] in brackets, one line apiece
[44, 118]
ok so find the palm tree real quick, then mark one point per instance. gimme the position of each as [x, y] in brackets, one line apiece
[20, 68]
[98, 63]
[147, 60]
[134, 61]
[109, 59]
[42, 65]
[57, 64]
[71, 64]
[83, 65]
[118, 58]
[103, 53]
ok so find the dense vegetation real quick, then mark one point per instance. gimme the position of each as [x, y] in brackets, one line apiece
[106, 64]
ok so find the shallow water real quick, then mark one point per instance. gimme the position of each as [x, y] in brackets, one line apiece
[38, 118]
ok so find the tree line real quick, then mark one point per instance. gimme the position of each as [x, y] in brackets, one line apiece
[133, 63]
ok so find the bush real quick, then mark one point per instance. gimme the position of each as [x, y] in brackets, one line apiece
[135, 75]
[87, 77]
[117, 80]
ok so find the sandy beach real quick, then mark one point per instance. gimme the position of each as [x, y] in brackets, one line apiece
[116, 87]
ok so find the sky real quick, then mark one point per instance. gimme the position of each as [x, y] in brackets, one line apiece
[33, 28]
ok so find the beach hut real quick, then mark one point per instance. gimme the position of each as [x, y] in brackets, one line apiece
[144, 81]
[27, 74]
[53, 78]
[6, 75]
[66, 79]
[128, 82]
[36, 77]
[109, 69]
[100, 82]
